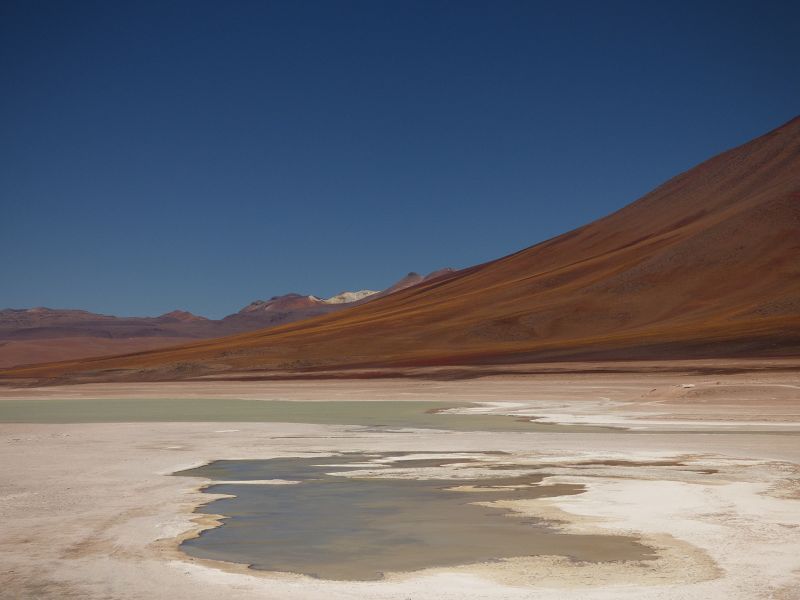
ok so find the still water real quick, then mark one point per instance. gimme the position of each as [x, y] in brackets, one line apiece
[359, 528]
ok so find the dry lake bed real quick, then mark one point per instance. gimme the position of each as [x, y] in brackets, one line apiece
[596, 485]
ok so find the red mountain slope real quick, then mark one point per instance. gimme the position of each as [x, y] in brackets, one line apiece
[707, 264]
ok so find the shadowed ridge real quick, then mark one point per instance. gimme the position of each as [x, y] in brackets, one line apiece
[707, 264]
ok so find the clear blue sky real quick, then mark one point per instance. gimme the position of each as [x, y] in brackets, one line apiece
[199, 155]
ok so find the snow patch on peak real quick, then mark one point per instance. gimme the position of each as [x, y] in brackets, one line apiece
[347, 297]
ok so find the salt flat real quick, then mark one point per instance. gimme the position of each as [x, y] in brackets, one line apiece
[707, 472]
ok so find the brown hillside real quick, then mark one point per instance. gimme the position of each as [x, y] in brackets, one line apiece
[708, 264]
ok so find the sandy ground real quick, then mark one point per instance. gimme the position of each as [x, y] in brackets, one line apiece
[89, 511]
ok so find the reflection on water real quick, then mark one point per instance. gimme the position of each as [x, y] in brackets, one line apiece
[336, 527]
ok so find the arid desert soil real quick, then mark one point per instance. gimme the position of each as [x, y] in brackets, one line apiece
[704, 468]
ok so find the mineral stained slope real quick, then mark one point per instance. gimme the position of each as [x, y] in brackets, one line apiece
[707, 264]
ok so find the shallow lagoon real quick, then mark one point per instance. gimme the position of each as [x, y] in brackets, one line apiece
[392, 414]
[361, 527]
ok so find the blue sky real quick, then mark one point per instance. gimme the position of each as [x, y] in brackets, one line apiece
[199, 155]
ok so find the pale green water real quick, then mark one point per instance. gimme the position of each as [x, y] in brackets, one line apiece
[345, 528]
[375, 414]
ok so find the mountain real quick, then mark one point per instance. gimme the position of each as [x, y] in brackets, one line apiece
[40, 322]
[279, 310]
[348, 297]
[45, 334]
[415, 278]
[182, 316]
[40, 334]
[293, 307]
[705, 265]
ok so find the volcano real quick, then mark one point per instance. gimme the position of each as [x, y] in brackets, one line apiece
[705, 265]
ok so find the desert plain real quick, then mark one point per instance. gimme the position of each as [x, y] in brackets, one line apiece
[213, 385]
[698, 461]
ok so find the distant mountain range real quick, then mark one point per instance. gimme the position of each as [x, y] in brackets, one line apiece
[41, 334]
